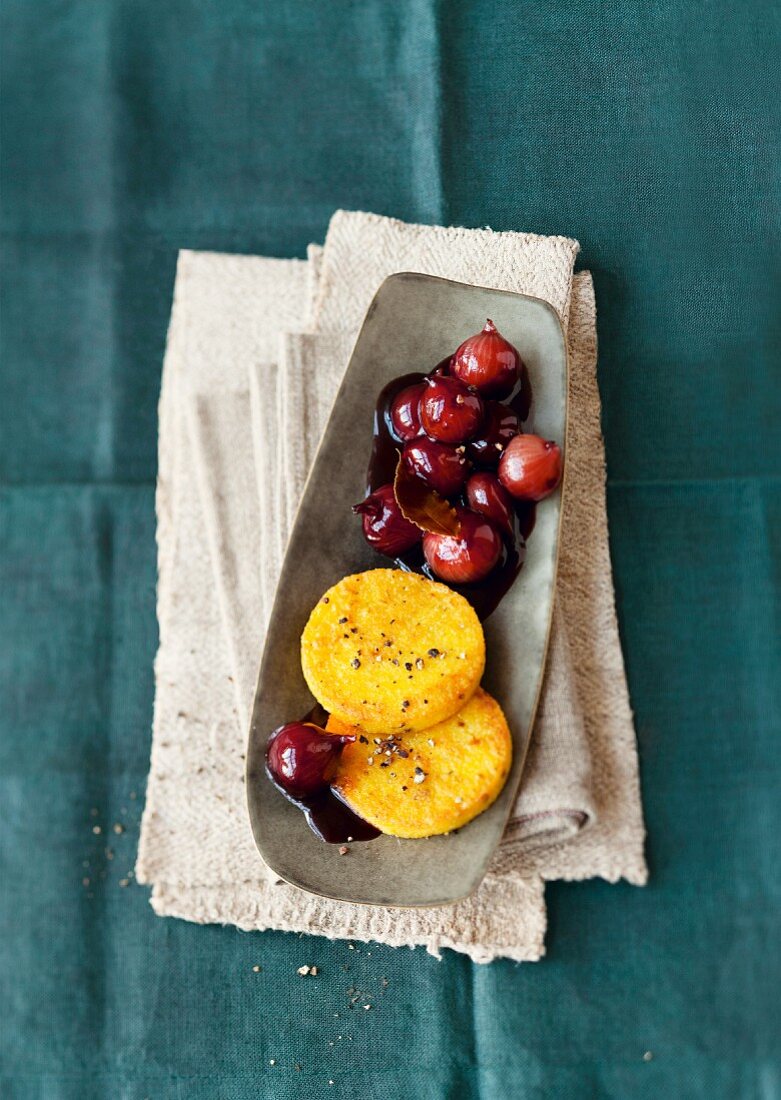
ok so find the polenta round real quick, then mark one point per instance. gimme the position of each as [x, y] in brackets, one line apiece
[388, 651]
[430, 781]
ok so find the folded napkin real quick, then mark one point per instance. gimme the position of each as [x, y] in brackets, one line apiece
[244, 400]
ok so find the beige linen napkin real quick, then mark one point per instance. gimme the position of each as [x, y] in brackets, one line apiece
[196, 850]
[222, 296]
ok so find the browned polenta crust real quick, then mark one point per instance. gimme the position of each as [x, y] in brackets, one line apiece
[429, 781]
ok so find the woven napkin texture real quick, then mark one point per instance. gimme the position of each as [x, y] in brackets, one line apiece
[233, 398]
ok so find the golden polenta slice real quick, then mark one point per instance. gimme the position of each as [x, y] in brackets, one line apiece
[388, 651]
[429, 781]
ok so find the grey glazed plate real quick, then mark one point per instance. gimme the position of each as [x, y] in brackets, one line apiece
[413, 322]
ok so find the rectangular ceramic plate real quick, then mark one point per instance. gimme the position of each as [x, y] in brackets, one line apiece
[413, 323]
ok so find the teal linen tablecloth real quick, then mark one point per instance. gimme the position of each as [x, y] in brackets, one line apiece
[649, 131]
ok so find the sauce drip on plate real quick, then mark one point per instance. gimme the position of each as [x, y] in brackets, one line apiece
[327, 816]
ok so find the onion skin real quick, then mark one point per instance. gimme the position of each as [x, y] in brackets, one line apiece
[488, 362]
[531, 467]
[464, 558]
[487, 496]
[440, 465]
[500, 425]
[450, 411]
[384, 527]
[404, 412]
[301, 757]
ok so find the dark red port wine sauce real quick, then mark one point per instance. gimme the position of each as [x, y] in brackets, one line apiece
[483, 595]
[326, 815]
